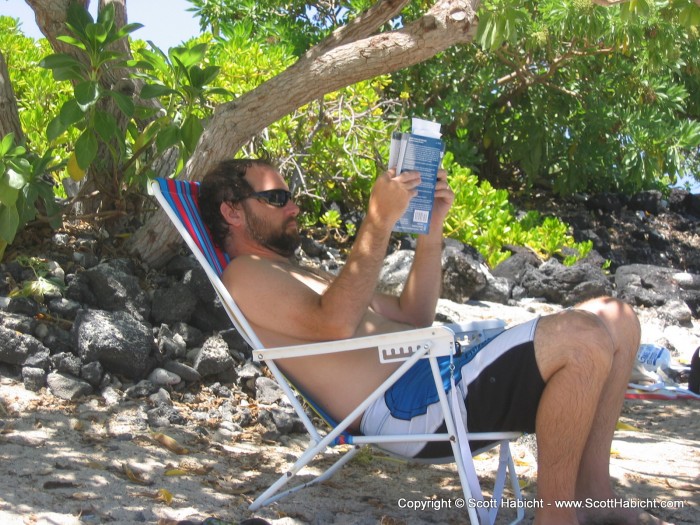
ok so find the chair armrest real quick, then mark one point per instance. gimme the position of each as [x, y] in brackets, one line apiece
[392, 347]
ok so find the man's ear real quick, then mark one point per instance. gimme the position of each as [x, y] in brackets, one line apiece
[232, 213]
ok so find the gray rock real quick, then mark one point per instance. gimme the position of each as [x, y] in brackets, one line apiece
[173, 304]
[66, 386]
[115, 288]
[213, 358]
[23, 306]
[676, 311]
[674, 293]
[17, 348]
[566, 285]
[65, 308]
[143, 388]
[497, 290]
[395, 272]
[186, 372]
[268, 392]
[67, 363]
[34, 379]
[170, 344]
[191, 335]
[464, 272]
[164, 416]
[18, 322]
[162, 397]
[162, 377]
[111, 396]
[121, 343]
[58, 340]
[92, 373]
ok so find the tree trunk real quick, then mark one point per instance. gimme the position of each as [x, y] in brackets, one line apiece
[9, 115]
[351, 54]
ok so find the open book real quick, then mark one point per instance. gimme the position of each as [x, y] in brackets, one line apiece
[422, 151]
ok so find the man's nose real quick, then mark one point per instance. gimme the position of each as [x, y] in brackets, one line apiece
[292, 208]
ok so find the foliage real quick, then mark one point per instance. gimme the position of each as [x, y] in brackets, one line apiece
[484, 218]
[557, 92]
[570, 95]
[298, 24]
[23, 186]
[181, 80]
[42, 284]
[83, 109]
[38, 95]
[186, 91]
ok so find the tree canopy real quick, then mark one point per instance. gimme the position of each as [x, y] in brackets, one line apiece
[565, 94]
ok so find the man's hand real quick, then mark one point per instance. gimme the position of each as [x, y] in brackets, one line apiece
[444, 197]
[391, 194]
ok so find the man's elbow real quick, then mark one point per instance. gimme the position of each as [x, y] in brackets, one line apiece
[334, 331]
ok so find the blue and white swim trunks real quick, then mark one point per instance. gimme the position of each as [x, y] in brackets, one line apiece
[501, 384]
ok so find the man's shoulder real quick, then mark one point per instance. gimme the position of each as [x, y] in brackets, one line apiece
[251, 266]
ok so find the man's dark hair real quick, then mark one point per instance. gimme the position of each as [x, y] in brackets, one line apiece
[224, 183]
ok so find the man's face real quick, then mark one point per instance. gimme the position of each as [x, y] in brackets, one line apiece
[273, 227]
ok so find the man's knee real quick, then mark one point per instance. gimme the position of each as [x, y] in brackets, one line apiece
[620, 319]
[574, 339]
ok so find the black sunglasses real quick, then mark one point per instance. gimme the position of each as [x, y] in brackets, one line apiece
[277, 198]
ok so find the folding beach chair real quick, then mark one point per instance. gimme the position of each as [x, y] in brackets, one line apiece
[179, 200]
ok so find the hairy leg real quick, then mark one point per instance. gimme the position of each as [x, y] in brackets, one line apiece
[574, 354]
[585, 356]
[594, 473]
[623, 326]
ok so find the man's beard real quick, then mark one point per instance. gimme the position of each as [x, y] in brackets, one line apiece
[283, 242]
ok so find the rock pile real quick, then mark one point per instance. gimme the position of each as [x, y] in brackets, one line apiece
[108, 333]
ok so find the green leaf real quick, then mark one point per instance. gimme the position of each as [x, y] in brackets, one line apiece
[689, 16]
[125, 103]
[156, 90]
[167, 138]
[71, 41]
[97, 33]
[55, 129]
[8, 194]
[6, 143]
[72, 74]
[219, 91]
[87, 93]
[59, 61]
[15, 180]
[191, 131]
[106, 16]
[86, 149]
[70, 113]
[126, 30]
[188, 56]
[9, 223]
[78, 18]
[106, 125]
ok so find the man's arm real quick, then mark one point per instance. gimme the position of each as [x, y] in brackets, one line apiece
[418, 300]
[271, 296]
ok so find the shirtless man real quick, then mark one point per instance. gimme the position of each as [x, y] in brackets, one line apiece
[565, 374]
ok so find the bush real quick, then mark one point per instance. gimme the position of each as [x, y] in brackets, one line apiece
[484, 218]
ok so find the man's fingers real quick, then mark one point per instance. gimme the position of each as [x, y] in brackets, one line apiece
[409, 178]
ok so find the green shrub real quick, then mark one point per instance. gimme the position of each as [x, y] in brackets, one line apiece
[484, 218]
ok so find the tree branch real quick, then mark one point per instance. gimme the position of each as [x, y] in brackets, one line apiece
[361, 27]
[447, 23]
